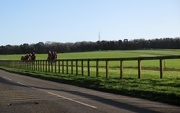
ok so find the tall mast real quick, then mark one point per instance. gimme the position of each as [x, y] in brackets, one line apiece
[99, 36]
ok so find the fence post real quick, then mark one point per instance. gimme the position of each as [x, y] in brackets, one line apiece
[139, 68]
[32, 66]
[42, 65]
[39, 65]
[76, 67]
[71, 66]
[97, 68]
[107, 76]
[55, 66]
[62, 66]
[46, 66]
[88, 67]
[161, 68]
[59, 66]
[67, 67]
[24, 65]
[52, 67]
[36, 65]
[32, 63]
[121, 69]
[82, 68]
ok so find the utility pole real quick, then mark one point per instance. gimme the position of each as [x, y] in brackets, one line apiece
[99, 41]
[99, 37]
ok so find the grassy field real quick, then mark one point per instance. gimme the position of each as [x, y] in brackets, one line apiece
[101, 54]
[170, 64]
[112, 54]
[150, 86]
[150, 68]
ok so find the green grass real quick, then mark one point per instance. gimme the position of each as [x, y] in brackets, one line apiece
[101, 54]
[164, 90]
[114, 54]
[150, 86]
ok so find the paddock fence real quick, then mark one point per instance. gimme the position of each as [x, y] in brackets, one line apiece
[85, 66]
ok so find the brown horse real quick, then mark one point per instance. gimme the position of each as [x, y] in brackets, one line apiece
[28, 57]
[52, 57]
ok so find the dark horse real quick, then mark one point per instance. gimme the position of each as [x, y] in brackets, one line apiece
[52, 57]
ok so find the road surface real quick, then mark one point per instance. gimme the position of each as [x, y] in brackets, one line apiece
[23, 94]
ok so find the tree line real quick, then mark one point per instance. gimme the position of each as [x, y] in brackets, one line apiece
[136, 44]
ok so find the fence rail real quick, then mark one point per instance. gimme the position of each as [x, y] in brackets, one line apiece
[73, 65]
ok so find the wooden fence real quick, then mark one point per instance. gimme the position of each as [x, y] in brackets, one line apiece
[71, 66]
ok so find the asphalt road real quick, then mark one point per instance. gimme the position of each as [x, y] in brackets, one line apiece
[23, 94]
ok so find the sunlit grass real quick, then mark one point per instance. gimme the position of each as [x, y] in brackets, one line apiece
[149, 86]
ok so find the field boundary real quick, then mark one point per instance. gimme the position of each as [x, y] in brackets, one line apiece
[69, 65]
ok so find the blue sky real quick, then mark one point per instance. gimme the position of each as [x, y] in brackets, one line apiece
[33, 21]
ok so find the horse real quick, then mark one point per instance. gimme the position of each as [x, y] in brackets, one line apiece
[52, 57]
[28, 57]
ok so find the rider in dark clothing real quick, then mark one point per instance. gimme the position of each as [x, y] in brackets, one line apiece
[49, 56]
[33, 57]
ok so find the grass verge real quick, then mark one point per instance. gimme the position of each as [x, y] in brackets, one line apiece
[162, 90]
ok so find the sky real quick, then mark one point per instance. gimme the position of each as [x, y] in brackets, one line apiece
[33, 21]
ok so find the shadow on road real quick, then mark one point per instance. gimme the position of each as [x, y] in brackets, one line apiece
[111, 102]
[7, 82]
